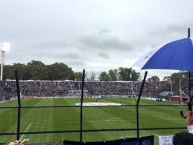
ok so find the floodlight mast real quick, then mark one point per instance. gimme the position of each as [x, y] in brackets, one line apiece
[2, 56]
[4, 47]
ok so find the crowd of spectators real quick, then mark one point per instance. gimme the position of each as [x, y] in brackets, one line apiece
[42, 88]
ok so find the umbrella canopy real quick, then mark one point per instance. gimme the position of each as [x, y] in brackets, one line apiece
[176, 55]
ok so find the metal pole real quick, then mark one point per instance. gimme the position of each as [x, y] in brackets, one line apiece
[189, 81]
[2, 56]
[189, 88]
[188, 32]
[81, 105]
[19, 106]
[189, 92]
[137, 104]
[180, 87]
[171, 87]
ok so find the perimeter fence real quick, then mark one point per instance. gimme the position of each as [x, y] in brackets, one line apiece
[40, 118]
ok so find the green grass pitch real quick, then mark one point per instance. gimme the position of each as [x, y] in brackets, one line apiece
[68, 118]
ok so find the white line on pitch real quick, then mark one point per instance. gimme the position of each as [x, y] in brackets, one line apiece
[113, 119]
[28, 127]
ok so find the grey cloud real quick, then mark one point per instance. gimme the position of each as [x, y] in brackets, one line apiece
[101, 42]
[104, 55]
[159, 35]
[51, 44]
[51, 31]
[61, 55]
[76, 63]
[71, 56]
[71, 59]
[170, 30]
[181, 30]
[175, 29]
[105, 31]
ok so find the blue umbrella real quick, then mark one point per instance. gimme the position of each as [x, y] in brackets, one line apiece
[176, 55]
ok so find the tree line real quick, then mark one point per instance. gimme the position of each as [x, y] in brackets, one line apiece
[121, 74]
[36, 70]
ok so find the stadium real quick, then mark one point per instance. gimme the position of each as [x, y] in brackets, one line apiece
[137, 88]
[50, 111]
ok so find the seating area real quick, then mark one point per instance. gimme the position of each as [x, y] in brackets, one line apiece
[45, 88]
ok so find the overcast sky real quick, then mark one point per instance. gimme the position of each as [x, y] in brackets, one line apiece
[96, 35]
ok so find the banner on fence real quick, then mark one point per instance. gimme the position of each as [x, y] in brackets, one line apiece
[165, 140]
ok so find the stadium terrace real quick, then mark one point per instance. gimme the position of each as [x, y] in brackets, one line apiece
[42, 88]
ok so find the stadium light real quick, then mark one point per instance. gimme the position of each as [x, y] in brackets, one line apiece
[4, 47]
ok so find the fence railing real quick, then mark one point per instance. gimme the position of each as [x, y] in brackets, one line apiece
[81, 130]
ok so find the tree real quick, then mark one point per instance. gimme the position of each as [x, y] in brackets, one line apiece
[154, 79]
[134, 75]
[78, 76]
[60, 71]
[123, 74]
[104, 77]
[21, 68]
[8, 72]
[179, 81]
[37, 70]
[113, 74]
[91, 76]
[127, 74]
[167, 78]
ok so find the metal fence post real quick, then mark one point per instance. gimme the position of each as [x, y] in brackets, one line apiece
[137, 104]
[81, 105]
[18, 107]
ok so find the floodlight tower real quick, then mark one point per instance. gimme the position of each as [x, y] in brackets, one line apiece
[4, 47]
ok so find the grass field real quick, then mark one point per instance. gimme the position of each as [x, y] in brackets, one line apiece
[68, 118]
